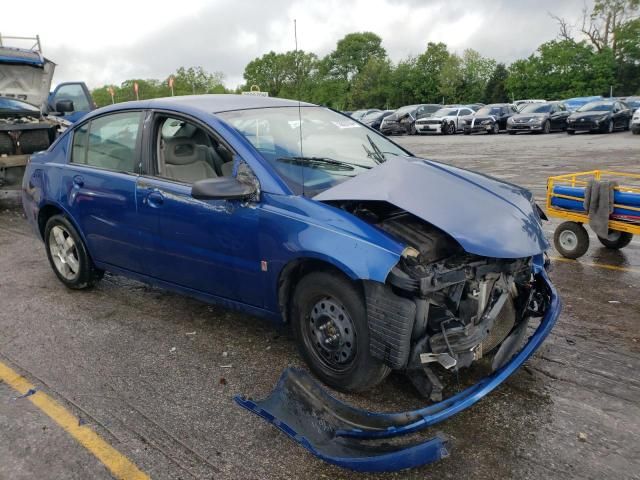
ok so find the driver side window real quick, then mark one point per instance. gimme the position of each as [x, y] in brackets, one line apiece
[187, 153]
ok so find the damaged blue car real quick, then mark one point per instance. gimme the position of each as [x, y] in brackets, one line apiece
[378, 260]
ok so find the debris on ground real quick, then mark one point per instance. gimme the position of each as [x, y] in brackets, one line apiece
[582, 437]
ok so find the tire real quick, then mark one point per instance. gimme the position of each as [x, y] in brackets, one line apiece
[68, 254]
[620, 240]
[610, 127]
[331, 300]
[628, 126]
[511, 132]
[571, 240]
[451, 129]
[412, 130]
[467, 132]
[571, 132]
[495, 129]
[547, 127]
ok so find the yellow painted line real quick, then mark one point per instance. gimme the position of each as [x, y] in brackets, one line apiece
[119, 465]
[596, 265]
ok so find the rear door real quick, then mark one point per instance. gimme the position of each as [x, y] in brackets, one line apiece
[99, 187]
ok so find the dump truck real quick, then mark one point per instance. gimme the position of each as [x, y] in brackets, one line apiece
[31, 114]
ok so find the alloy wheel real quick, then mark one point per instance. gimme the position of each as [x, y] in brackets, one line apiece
[64, 253]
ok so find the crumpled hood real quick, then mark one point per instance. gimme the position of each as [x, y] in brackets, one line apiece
[485, 216]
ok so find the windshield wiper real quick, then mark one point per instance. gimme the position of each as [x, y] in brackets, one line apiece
[376, 154]
[322, 161]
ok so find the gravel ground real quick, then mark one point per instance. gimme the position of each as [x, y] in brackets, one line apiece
[154, 373]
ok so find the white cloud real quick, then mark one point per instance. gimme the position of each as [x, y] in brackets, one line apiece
[108, 42]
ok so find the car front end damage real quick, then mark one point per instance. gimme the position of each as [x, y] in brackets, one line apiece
[468, 288]
[366, 441]
[476, 124]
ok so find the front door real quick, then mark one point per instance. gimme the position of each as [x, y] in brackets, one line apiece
[100, 187]
[206, 245]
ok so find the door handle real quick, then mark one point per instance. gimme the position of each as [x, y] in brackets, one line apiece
[78, 181]
[155, 199]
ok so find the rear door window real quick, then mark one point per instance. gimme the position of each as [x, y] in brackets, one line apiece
[109, 142]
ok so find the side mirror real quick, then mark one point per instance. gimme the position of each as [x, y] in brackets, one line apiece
[65, 106]
[221, 188]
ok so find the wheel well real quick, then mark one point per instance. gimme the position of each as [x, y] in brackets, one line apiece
[44, 215]
[293, 272]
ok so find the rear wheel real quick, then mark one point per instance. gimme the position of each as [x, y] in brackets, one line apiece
[571, 239]
[68, 255]
[616, 240]
[329, 321]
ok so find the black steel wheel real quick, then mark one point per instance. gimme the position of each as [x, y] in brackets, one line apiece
[571, 239]
[616, 240]
[329, 321]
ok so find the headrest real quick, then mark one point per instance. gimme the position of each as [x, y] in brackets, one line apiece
[181, 151]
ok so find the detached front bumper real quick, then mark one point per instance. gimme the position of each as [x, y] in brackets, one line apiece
[340, 434]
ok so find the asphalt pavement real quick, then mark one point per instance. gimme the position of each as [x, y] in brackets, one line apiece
[153, 374]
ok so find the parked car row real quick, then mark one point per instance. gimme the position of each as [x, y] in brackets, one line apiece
[532, 116]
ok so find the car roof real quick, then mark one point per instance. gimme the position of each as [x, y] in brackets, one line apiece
[210, 103]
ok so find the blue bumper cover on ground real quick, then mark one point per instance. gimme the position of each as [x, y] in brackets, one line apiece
[350, 437]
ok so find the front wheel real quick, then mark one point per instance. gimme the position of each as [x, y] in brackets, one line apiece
[329, 320]
[495, 129]
[68, 255]
[610, 127]
[571, 239]
[616, 240]
[547, 127]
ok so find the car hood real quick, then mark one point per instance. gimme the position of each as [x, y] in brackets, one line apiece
[485, 216]
[27, 82]
[525, 117]
[589, 114]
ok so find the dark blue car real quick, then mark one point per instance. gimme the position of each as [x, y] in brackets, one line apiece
[379, 260]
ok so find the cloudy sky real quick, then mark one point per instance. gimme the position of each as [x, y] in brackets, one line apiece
[107, 42]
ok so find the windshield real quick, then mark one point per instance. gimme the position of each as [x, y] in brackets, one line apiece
[13, 105]
[488, 111]
[428, 110]
[536, 108]
[445, 112]
[596, 107]
[329, 148]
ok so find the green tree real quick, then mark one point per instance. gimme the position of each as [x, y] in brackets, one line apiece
[476, 72]
[495, 90]
[561, 69]
[429, 66]
[196, 80]
[371, 85]
[353, 52]
[451, 80]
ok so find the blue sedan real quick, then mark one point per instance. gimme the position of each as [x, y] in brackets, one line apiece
[379, 260]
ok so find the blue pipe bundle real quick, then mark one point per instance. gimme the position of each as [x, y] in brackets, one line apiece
[620, 198]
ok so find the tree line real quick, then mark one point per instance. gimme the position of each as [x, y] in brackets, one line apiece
[599, 54]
